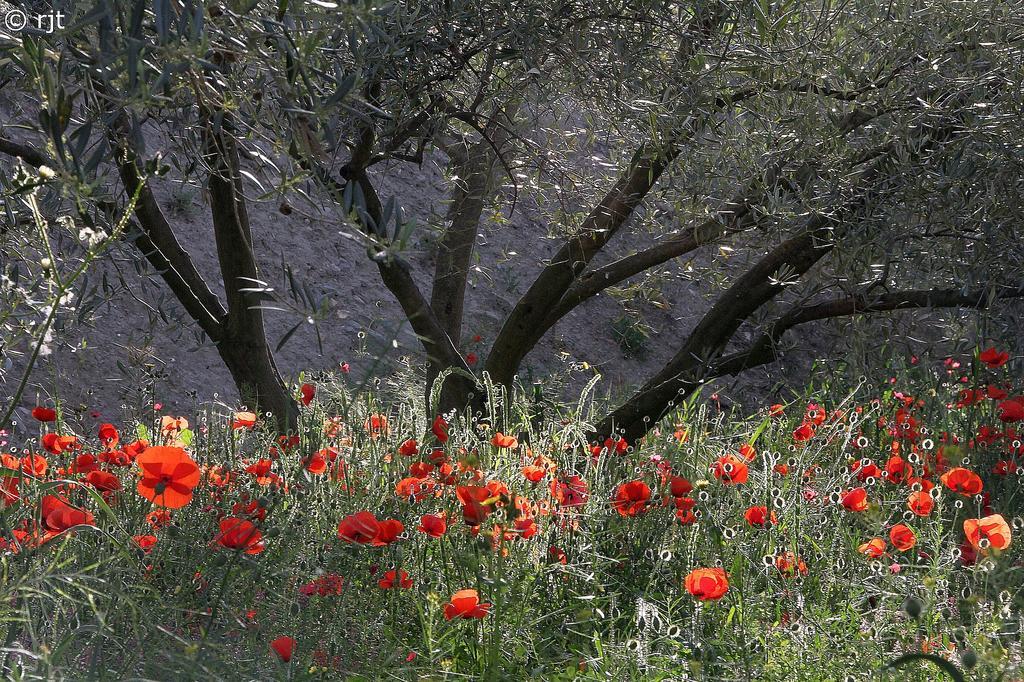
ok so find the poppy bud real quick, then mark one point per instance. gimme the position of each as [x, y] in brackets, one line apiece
[969, 659]
[913, 607]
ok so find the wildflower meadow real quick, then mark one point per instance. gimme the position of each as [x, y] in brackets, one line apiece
[511, 339]
[824, 538]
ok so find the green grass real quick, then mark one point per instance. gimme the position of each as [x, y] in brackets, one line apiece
[89, 604]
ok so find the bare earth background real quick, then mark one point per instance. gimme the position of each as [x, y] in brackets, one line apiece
[98, 369]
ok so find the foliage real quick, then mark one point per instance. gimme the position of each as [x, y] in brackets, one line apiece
[585, 578]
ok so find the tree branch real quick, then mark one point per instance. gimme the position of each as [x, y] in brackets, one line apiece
[29, 155]
[765, 349]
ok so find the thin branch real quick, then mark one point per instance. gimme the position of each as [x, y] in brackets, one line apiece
[766, 348]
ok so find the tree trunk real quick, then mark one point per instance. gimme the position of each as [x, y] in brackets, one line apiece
[259, 383]
[243, 345]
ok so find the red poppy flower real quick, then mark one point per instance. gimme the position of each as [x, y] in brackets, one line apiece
[616, 445]
[395, 579]
[990, 531]
[103, 481]
[789, 565]
[1011, 410]
[308, 392]
[963, 481]
[803, 433]
[364, 528]
[533, 473]
[730, 470]
[389, 531]
[433, 525]
[240, 534]
[759, 516]
[897, 469]
[9, 491]
[55, 444]
[902, 537]
[409, 448]
[465, 604]
[376, 424]
[921, 503]
[284, 648]
[440, 429]
[776, 410]
[855, 500]
[476, 504]
[59, 516]
[993, 358]
[572, 491]
[865, 471]
[261, 470]
[251, 509]
[707, 584]
[361, 527]
[109, 436]
[158, 518]
[873, 548]
[315, 463]
[748, 452]
[168, 476]
[631, 498]
[34, 465]
[679, 486]
[500, 440]
[44, 414]
[145, 542]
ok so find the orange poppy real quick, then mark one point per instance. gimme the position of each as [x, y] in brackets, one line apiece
[55, 444]
[393, 579]
[315, 463]
[963, 481]
[855, 500]
[990, 531]
[168, 476]
[465, 604]
[873, 548]
[244, 420]
[34, 465]
[500, 440]
[109, 436]
[730, 470]
[921, 503]
[707, 584]
[789, 564]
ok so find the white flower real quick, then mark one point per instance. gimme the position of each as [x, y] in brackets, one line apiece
[47, 173]
[91, 237]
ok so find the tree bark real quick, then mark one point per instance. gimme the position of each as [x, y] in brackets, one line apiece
[243, 345]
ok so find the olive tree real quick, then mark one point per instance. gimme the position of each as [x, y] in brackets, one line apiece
[854, 159]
